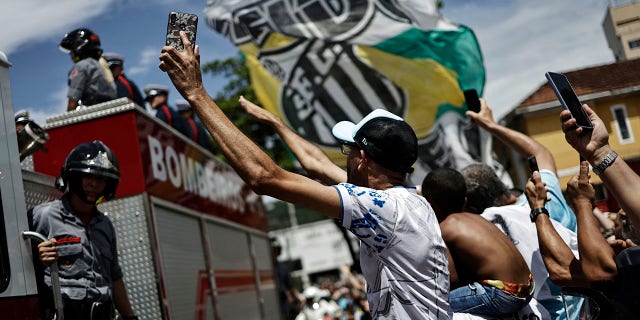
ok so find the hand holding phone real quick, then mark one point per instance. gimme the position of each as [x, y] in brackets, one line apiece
[179, 21]
[533, 164]
[568, 98]
[472, 100]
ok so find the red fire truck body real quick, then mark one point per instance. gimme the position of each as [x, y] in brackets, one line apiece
[192, 237]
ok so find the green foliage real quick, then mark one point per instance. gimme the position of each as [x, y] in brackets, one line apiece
[237, 74]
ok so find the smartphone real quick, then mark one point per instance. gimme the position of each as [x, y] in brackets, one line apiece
[472, 100]
[568, 98]
[179, 21]
[533, 164]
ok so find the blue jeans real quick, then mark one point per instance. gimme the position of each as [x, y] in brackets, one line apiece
[484, 299]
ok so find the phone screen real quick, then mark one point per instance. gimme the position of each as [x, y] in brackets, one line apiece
[568, 98]
[179, 21]
[472, 100]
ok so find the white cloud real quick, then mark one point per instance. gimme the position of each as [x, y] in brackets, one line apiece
[58, 104]
[28, 21]
[148, 59]
[521, 40]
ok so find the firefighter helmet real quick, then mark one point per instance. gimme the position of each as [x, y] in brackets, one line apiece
[82, 42]
[93, 158]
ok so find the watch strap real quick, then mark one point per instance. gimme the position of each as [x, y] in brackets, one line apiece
[606, 162]
[536, 212]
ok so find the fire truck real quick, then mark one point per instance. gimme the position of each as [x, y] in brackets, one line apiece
[192, 237]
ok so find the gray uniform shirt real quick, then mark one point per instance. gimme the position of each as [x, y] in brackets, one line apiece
[87, 259]
[88, 83]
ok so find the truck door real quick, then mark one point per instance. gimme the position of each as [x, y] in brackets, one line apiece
[18, 293]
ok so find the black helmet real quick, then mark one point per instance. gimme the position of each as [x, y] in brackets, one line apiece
[82, 42]
[94, 158]
[22, 117]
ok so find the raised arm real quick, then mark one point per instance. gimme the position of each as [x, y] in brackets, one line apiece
[518, 141]
[563, 267]
[252, 164]
[596, 255]
[312, 158]
[594, 146]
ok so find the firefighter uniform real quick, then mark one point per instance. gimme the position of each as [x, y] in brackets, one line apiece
[157, 95]
[88, 83]
[199, 134]
[85, 249]
[87, 259]
[125, 87]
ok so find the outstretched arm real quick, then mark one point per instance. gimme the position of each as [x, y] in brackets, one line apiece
[596, 255]
[594, 146]
[518, 141]
[563, 267]
[312, 158]
[252, 164]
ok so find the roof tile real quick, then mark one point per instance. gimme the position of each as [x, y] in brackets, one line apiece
[591, 80]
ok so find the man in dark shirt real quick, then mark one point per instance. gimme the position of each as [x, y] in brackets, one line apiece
[199, 134]
[126, 87]
[156, 96]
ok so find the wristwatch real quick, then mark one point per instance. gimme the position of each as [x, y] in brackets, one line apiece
[536, 212]
[608, 160]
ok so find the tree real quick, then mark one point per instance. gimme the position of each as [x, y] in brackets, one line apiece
[235, 71]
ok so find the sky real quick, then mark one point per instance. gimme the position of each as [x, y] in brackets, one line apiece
[520, 41]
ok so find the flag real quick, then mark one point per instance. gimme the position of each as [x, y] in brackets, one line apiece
[317, 62]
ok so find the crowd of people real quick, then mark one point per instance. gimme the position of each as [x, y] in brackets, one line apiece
[461, 243]
[412, 268]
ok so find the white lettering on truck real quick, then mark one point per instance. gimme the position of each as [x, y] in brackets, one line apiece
[219, 185]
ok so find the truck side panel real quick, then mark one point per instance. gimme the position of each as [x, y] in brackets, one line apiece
[130, 217]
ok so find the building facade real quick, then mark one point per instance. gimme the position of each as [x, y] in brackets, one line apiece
[622, 29]
[612, 91]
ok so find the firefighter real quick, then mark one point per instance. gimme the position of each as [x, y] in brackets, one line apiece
[126, 87]
[199, 134]
[156, 96]
[22, 119]
[82, 239]
[90, 80]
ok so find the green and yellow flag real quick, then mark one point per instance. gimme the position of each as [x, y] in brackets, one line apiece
[319, 62]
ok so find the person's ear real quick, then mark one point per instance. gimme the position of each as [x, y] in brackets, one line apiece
[363, 161]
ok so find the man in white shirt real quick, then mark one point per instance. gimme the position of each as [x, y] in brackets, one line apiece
[403, 255]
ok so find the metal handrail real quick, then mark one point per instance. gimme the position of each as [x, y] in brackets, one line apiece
[55, 278]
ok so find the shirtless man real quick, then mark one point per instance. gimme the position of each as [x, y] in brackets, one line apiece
[492, 276]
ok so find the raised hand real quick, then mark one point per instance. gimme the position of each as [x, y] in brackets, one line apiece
[536, 191]
[258, 113]
[579, 188]
[183, 67]
[592, 144]
[484, 118]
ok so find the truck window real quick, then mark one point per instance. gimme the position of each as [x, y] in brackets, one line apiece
[5, 271]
